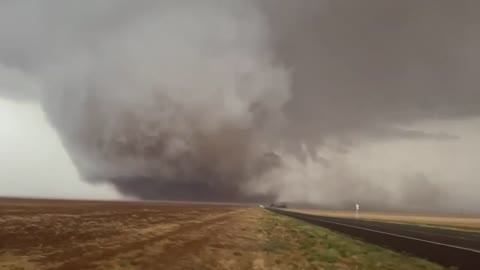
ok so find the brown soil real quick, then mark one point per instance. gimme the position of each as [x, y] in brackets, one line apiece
[70, 235]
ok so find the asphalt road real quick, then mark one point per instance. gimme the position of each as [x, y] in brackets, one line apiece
[448, 247]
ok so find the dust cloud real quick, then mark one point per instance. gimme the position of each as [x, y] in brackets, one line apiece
[311, 101]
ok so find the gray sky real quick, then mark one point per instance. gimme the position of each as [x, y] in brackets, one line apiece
[370, 101]
[34, 162]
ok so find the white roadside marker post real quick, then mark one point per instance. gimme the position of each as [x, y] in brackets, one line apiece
[357, 208]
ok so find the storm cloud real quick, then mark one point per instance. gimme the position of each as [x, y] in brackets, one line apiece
[249, 100]
[377, 63]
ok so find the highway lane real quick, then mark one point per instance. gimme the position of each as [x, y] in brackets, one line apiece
[445, 246]
[464, 239]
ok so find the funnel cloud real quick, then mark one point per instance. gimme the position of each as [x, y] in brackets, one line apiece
[306, 101]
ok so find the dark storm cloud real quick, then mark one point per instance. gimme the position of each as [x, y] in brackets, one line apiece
[358, 64]
[361, 69]
[190, 99]
[164, 99]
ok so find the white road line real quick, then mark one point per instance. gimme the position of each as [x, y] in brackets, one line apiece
[392, 234]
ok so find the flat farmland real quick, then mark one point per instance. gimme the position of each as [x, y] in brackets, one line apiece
[469, 223]
[69, 235]
[74, 235]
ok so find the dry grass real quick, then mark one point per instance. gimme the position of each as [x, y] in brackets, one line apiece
[306, 246]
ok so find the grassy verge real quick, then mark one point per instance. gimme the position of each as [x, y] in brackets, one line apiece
[307, 246]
